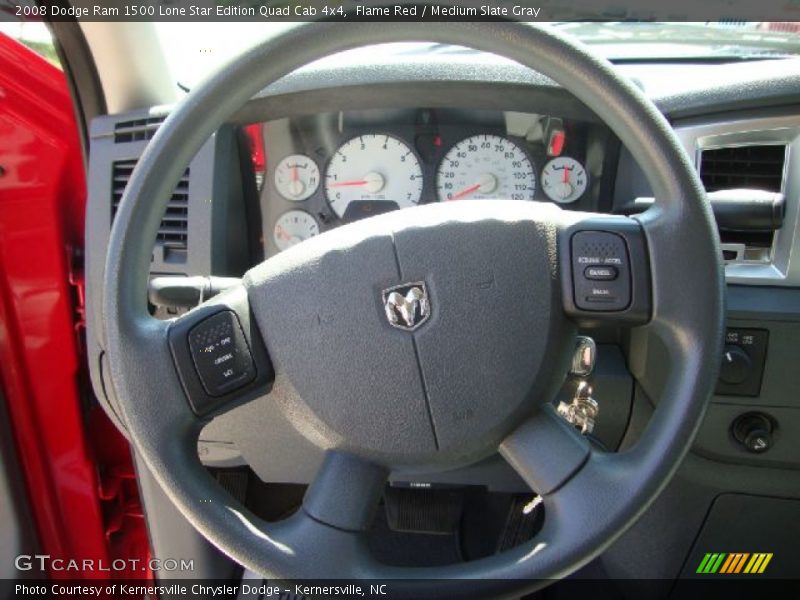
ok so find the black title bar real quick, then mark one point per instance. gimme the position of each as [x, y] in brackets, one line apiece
[731, 12]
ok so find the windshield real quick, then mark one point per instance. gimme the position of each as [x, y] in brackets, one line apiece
[664, 41]
[194, 50]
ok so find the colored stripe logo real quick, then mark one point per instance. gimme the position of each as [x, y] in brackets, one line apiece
[734, 563]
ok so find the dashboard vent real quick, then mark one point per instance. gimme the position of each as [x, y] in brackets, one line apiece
[174, 230]
[758, 167]
[748, 167]
[136, 130]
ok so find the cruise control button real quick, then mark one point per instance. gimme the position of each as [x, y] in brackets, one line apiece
[602, 299]
[600, 271]
[220, 354]
[604, 273]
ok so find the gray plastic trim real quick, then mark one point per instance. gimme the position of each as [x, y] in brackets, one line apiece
[471, 79]
[172, 535]
[783, 267]
[214, 210]
[130, 64]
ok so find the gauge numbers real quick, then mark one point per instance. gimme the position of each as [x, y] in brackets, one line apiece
[486, 166]
[564, 180]
[373, 168]
[296, 177]
[293, 227]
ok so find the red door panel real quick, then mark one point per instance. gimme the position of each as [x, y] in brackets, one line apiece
[80, 485]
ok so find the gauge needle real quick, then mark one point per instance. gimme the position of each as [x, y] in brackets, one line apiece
[465, 192]
[296, 187]
[566, 175]
[487, 184]
[354, 182]
[374, 183]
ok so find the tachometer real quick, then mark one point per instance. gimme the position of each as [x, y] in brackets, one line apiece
[293, 227]
[375, 168]
[486, 166]
[564, 180]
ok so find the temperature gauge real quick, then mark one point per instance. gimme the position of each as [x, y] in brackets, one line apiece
[296, 177]
[564, 180]
[293, 227]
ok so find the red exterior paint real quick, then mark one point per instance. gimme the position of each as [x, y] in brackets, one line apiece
[42, 207]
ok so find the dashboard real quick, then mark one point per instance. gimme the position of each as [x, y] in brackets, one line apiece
[333, 168]
[345, 141]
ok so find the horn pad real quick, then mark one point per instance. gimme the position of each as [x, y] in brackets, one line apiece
[419, 337]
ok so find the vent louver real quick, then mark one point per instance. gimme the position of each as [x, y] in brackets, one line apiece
[136, 130]
[174, 229]
[748, 167]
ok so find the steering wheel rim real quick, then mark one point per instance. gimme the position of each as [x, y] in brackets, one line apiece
[683, 264]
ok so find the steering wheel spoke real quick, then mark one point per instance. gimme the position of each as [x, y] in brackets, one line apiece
[219, 355]
[605, 270]
[545, 451]
[345, 492]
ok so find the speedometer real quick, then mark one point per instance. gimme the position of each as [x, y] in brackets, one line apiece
[486, 166]
[373, 168]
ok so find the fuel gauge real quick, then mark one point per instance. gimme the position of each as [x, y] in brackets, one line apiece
[564, 180]
[293, 227]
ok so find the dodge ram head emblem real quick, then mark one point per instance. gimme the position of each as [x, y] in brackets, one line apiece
[407, 306]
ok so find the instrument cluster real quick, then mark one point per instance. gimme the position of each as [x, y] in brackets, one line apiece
[327, 175]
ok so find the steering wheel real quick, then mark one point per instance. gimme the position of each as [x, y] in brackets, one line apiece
[424, 339]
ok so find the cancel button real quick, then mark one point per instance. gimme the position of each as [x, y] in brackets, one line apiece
[600, 273]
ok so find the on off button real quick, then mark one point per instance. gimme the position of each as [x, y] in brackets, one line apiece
[220, 353]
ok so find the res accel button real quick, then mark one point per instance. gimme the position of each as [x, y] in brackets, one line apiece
[600, 271]
[607, 273]
[220, 353]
